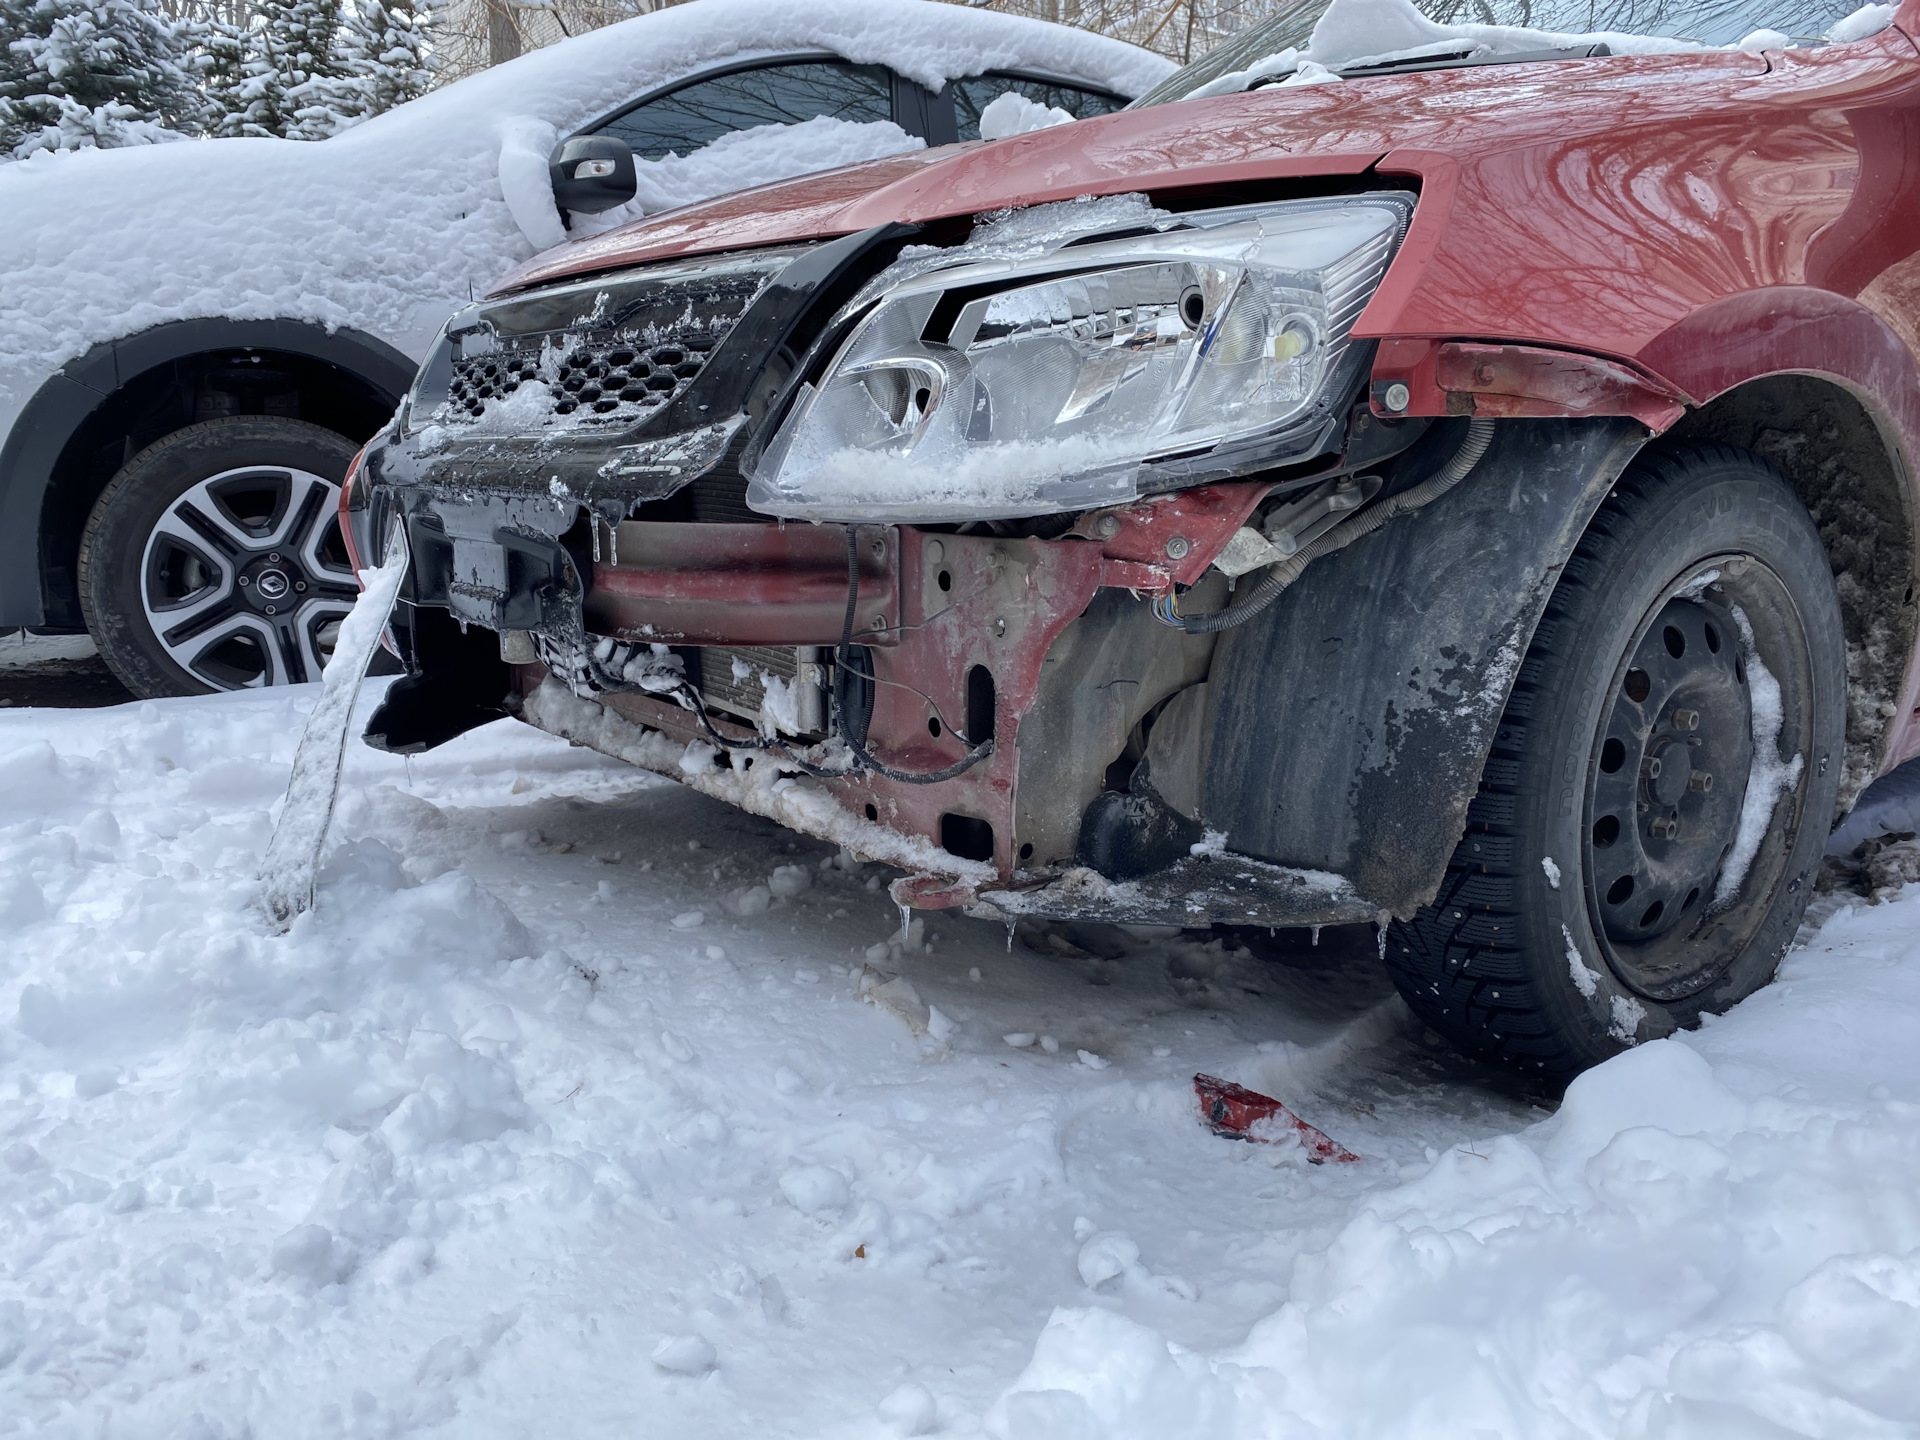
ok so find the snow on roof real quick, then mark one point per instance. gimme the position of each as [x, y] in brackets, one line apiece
[386, 227]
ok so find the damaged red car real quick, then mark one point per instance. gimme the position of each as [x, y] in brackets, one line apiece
[1448, 476]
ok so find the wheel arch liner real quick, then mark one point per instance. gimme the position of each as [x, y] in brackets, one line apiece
[57, 410]
[1345, 729]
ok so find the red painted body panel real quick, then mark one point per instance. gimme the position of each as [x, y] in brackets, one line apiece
[955, 601]
[1451, 377]
[1003, 605]
[1698, 220]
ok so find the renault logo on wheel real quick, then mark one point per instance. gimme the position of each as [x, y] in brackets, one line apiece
[271, 584]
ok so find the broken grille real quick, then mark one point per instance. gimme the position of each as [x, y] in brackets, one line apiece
[611, 350]
[594, 376]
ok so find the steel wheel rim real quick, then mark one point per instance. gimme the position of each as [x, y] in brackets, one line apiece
[1691, 715]
[244, 578]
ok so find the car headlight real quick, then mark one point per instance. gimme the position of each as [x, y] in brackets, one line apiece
[1058, 381]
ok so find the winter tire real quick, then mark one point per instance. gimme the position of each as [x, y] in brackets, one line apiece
[214, 560]
[1645, 836]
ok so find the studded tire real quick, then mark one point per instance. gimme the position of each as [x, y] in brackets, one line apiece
[177, 548]
[1599, 896]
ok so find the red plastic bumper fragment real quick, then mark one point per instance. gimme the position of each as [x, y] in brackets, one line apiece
[1237, 1113]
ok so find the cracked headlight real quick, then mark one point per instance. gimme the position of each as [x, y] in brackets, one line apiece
[1053, 381]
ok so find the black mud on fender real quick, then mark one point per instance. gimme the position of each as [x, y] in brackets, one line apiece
[1347, 726]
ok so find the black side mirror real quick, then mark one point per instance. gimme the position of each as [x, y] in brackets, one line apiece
[592, 173]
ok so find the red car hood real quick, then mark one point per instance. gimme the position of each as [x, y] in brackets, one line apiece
[1277, 133]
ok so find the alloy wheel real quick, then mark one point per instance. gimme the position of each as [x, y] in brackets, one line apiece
[245, 577]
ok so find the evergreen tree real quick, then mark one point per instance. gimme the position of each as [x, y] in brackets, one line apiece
[390, 51]
[324, 96]
[224, 78]
[77, 74]
[294, 78]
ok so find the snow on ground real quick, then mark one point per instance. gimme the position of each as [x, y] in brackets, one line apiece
[564, 1114]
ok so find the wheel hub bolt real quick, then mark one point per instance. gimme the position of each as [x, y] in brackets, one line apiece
[1664, 827]
[1650, 768]
[300, 585]
[1700, 782]
[1686, 719]
[246, 580]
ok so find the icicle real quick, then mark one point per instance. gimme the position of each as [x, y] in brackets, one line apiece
[1381, 931]
[906, 919]
[1010, 937]
[593, 525]
[613, 546]
[1316, 935]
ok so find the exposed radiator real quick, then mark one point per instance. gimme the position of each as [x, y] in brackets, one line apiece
[730, 679]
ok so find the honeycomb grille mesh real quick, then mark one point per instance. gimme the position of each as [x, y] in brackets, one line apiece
[593, 376]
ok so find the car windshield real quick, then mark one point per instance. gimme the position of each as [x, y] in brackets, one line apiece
[1473, 30]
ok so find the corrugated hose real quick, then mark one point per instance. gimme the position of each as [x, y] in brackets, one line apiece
[1283, 573]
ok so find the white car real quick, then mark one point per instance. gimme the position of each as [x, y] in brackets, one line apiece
[195, 338]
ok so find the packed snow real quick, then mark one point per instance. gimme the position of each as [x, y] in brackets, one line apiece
[1014, 114]
[1771, 774]
[584, 1103]
[387, 227]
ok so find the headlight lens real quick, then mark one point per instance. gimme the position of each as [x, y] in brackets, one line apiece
[1043, 383]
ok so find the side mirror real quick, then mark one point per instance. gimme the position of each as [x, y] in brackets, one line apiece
[592, 173]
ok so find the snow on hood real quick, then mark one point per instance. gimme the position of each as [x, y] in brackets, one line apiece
[387, 227]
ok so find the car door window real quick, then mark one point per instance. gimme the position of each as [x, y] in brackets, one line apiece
[976, 92]
[701, 111]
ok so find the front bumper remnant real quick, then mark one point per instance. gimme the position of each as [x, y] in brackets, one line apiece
[1206, 889]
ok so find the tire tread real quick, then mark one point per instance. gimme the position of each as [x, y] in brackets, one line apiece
[1455, 961]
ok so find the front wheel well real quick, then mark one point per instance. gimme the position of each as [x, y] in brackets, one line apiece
[1838, 459]
[168, 397]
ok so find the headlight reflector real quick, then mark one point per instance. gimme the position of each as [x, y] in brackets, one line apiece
[1042, 383]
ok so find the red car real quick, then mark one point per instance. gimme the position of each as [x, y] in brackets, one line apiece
[1472, 494]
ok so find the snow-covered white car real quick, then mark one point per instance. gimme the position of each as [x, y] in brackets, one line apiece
[195, 337]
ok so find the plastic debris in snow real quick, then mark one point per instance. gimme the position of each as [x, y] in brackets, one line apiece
[1237, 1113]
[293, 856]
